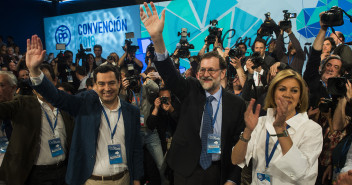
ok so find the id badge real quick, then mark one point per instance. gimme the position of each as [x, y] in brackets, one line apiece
[263, 179]
[69, 78]
[55, 147]
[115, 155]
[214, 143]
[4, 142]
[141, 118]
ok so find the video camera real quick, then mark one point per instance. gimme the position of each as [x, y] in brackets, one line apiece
[286, 23]
[213, 32]
[128, 43]
[81, 53]
[164, 100]
[268, 26]
[333, 17]
[183, 46]
[257, 60]
[235, 52]
[337, 85]
[132, 76]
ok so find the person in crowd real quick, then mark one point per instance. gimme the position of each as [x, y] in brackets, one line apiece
[17, 52]
[10, 41]
[38, 149]
[23, 74]
[90, 65]
[89, 84]
[112, 59]
[12, 68]
[98, 50]
[344, 51]
[129, 60]
[81, 75]
[66, 87]
[11, 54]
[106, 144]
[2, 43]
[295, 55]
[328, 47]
[200, 119]
[66, 69]
[284, 144]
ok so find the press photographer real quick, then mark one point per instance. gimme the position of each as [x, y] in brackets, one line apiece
[295, 55]
[268, 27]
[112, 59]
[150, 55]
[128, 59]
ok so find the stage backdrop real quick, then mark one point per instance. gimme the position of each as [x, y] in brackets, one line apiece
[107, 27]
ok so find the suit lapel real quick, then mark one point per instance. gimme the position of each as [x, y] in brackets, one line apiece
[126, 114]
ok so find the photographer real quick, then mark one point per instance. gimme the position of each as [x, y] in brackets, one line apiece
[112, 59]
[294, 57]
[66, 69]
[129, 58]
[344, 51]
[98, 50]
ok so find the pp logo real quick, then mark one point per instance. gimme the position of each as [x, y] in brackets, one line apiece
[63, 35]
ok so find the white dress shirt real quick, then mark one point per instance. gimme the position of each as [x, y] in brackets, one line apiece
[102, 165]
[348, 163]
[300, 164]
[46, 134]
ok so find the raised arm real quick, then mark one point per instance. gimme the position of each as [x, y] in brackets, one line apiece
[35, 55]
[319, 40]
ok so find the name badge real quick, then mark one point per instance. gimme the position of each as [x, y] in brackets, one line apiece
[263, 179]
[115, 155]
[3, 144]
[141, 118]
[214, 143]
[55, 147]
[69, 78]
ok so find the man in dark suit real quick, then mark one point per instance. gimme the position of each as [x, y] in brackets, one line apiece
[211, 119]
[106, 144]
[28, 158]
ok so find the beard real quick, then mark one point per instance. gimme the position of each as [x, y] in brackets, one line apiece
[211, 83]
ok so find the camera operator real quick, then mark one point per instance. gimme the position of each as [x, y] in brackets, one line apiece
[129, 58]
[66, 69]
[294, 57]
[344, 51]
[259, 46]
[328, 47]
[98, 50]
[112, 59]
[164, 115]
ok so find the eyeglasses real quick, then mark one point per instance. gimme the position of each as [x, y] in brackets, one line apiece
[211, 71]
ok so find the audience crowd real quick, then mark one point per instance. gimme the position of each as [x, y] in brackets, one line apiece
[253, 118]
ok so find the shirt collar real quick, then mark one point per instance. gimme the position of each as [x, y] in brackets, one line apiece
[117, 108]
[216, 95]
[42, 104]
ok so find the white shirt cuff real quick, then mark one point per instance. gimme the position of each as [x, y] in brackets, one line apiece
[37, 80]
[162, 56]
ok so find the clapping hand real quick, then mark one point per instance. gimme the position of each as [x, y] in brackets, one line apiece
[281, 112]
[35, 55]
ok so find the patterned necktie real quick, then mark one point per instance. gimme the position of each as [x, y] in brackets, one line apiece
[205, 158]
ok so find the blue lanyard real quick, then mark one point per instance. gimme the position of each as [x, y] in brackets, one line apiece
[140, 98]
[324, 84]
[268, 158]
[107, 120]
[47, 117]
[216, 112]
[290, 62]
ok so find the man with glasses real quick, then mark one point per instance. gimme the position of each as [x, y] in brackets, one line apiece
[211, 119]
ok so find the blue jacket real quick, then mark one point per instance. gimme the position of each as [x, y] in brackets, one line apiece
[86, 108]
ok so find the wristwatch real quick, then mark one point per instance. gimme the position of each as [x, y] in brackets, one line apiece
[284, 134]
[243, 139]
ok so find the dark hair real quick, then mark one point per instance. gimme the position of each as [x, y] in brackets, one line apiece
[332, 42]
[258, 40]
[89, 82]
[341, 36]
[49, 68]
[241, 43]
[67, 87]
[149, 69]
[342, 69]
[81, 70]
[222, 62]
[105, 69]
[86, 65]
[98, 46]
[68, 51]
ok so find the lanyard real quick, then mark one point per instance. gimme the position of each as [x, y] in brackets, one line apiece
[324, 84]
[290, 61]
[107, 120]
[216, 112]
[267, 156]
[140, 98]
[51, 124]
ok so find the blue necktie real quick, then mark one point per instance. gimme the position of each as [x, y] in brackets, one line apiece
[205, 158]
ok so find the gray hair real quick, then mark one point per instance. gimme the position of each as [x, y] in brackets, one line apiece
[10, 77]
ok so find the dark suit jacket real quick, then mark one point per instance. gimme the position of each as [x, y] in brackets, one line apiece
[184, 154]
[86, 108]
[26, 116]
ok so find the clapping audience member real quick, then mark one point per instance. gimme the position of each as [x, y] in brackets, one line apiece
[293, 140]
